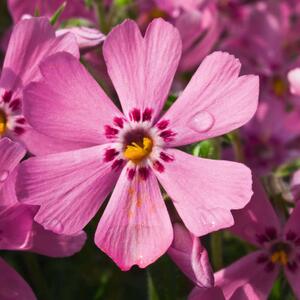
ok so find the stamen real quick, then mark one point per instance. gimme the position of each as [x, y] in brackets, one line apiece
[3, 122]
[279, 87]
[280, 257]
[136, 153]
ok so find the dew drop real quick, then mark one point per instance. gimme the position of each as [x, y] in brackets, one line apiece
[54, 225]
[3, 175]
[202, 121]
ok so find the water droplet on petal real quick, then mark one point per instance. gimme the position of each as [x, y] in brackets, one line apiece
[54, 225]
[3, 175]
[202, 121]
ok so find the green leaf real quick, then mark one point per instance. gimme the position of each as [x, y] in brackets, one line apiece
[88, 3]
[288, 169]
[76, 22]
[57, 14]
[171, 99]
[121, 3]
[205, 149]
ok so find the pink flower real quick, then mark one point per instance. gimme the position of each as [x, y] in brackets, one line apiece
[25, 234]
[74, 9]
[134, 149]
[294, 80]
[197, 21]
[270, 137]
[12, 285]
[278, 247]
[295, 185]
[31, 41]
[191, 257]
[87, 38]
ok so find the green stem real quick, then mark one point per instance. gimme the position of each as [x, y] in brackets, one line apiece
[237, 146]
[36, 276]
[216, 250]
[102, 16]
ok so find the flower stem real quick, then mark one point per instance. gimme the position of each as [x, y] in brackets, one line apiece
[216, 250]
[36, 276]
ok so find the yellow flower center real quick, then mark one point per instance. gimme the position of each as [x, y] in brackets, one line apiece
[279, 87]
[280, 257]
[3, 122]
[136, 152]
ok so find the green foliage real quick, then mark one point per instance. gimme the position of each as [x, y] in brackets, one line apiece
[57, 14]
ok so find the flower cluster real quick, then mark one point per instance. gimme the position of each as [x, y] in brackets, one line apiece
[162, 121]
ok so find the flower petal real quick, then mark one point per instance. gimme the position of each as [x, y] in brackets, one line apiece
[86, 37]
[293, 223]
[15, 235]
[70, 187]
[256, 217]
[48, 243]
[294, 80]
[135, 227]
[216, 101]
[293, 279]
[11, 154]
[12, 285]
[31, 41]
[191, 257]
[204, 191]
[142, 69]
[213, 293]
[68, 104]
[247, 271]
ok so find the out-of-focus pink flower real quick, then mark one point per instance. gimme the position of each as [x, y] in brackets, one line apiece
[262, 43]
[278, 247]
[191, 257]
[12, 285]
[18, 231]
[294, 80]
[269, 139]
[134, 149]
[295, 186]
[32, 40]
[196, 20]
[86, 37]
[73, 9]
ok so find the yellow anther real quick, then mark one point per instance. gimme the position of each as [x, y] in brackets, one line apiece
[3, 123]
[136, 153]
[279, 87]
[157, 13]
[279, 257]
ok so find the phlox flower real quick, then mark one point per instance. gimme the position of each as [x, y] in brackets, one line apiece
[31, 41]
[131, 150]
[191, 257]
[270, 138]
[18, 231]
[295, 185]
[73, 9]
[278, 248]
[294, 81]
[263, 44]
[197, 21]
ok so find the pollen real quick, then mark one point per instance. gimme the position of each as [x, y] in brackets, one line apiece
[3, 123]
[279, 87]
[136, 152]
[280, 257]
